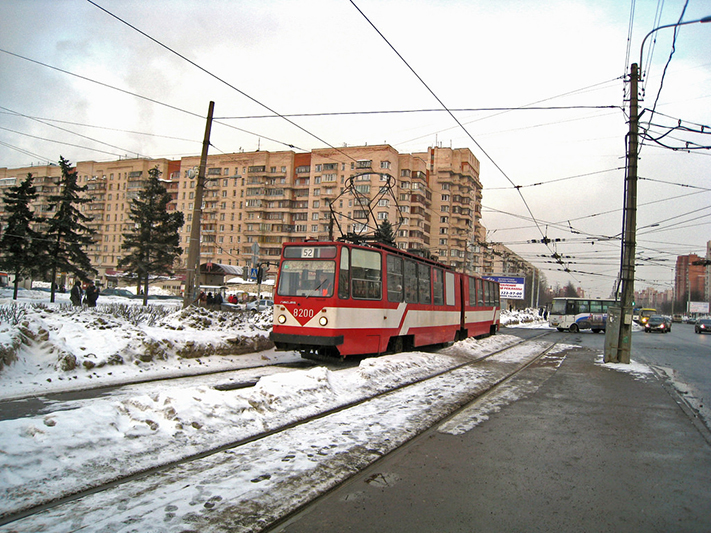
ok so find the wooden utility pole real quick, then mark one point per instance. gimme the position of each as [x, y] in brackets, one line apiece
[192, 272]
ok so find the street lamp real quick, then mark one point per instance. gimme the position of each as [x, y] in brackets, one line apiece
[618, 341]
[641, 48]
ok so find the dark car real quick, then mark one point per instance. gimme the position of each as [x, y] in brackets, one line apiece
[658, 323]
[118, 292]
[703, 325]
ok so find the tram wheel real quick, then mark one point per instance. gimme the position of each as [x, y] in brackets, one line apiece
[396, 344]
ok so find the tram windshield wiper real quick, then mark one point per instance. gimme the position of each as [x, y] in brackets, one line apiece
[314, 291]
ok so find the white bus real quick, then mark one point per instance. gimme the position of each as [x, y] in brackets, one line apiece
[574, 314]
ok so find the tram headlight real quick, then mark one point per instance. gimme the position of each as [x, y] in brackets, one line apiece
[281, 319]
[323, 320]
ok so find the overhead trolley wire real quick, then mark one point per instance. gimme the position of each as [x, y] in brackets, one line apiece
[629, 34]
[666, 66]
[172, 138]
[532, 105]
[23, 151]
[148, 99]
[71, 132]
[224, 82]
[59, 142]
[451, 114]
[406, 111]
[557, 179]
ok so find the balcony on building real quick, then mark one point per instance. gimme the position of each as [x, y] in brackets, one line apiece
[210, 207]
[96, 186]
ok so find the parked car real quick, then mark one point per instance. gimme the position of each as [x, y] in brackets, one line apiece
[703, 325]
[259, 305]
[117, 292]
[658, 323]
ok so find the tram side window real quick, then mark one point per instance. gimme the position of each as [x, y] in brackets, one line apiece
[472, 291]
[449, 288]
[491, 293]
[437, 287]
[344, 276]
[480, 292]
[395, 286]
[410, 282]
[424, 283]
[366, 274]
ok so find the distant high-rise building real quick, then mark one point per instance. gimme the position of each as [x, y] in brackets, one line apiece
[690, 279]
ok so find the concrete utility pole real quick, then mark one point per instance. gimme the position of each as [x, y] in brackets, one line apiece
[618, 339]
[629, 234]
[192, 272]
[618, 336]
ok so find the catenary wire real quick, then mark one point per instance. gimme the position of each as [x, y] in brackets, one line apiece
[16, 113]
[486, 154]
[148, 99]
[193, 63]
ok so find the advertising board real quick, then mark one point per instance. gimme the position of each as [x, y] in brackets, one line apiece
[699, 307]
[510, 288]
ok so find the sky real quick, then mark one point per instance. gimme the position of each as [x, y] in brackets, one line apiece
[556, 172]
[63, 447]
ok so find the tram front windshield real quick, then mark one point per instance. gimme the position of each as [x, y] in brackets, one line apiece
[306, 278]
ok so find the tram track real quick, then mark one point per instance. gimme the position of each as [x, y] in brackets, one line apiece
[101, 389]
[79, 503]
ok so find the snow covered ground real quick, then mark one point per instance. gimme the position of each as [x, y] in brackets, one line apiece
[72, 445]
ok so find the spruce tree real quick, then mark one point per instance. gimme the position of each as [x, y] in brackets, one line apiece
[570, 291]
[154, 240]
[384, 233]
[20, 244]
[67, 233]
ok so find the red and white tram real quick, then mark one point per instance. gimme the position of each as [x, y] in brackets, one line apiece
[335, 299]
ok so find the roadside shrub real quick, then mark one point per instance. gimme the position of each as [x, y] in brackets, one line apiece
[12, 314]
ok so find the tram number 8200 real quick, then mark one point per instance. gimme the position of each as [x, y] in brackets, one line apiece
[303, 313]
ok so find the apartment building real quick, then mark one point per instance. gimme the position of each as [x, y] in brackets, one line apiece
[254, 201]
[690, 279]
[432, 199]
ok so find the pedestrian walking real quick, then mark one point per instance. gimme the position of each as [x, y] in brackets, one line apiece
[76, 293]
[92, 294]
